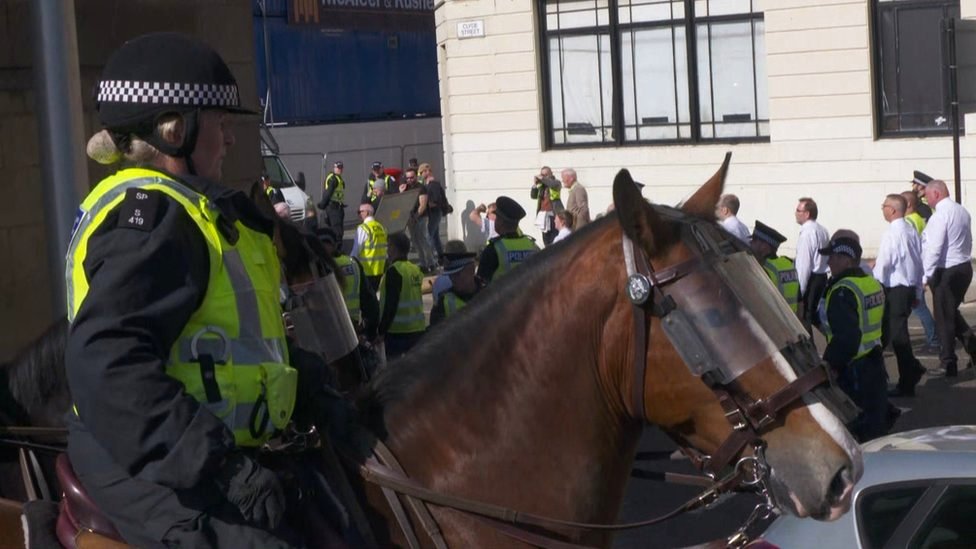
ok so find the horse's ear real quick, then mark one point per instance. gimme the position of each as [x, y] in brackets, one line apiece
[702, 203]
[637, 218]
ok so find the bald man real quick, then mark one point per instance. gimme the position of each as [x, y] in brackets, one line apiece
[946, 252]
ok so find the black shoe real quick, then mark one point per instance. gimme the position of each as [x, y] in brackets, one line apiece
[899, 392]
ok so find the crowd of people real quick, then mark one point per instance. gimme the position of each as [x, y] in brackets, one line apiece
[863, 308]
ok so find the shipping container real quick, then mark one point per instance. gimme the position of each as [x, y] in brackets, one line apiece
[345, 65]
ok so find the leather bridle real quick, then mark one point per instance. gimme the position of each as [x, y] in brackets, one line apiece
[749, 418]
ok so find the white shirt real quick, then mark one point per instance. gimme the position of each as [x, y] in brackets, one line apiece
[899, 260]
[813, 236]
[562, 234]
[736, 228]
[946, 240]
[488, 228]
[357, 245]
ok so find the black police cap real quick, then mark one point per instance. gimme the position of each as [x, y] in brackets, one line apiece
[920, 178]
[163, 72]
[768, 234]
[843, 246]
[508, 209]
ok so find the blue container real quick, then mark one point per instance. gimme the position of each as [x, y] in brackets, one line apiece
[320, 75]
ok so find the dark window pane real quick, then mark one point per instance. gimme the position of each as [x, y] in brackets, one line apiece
[913, 92]
[953, 522]
[879, 513]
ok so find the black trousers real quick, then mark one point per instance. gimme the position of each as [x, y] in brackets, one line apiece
[948, 290]
[811, 300]
[898, 307]
[865, 380]
[335, 215]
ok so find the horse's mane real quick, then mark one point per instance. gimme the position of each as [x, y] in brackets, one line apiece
[36, 374]
[438, 355]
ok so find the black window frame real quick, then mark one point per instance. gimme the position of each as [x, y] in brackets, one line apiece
[917, 517]
[877, 7]
[615, 31]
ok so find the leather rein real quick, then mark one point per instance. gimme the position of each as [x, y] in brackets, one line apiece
[748, 418]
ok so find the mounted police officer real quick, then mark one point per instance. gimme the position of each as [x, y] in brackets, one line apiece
[177, 358]
[853, 320]
[765, 243]
[510, 248]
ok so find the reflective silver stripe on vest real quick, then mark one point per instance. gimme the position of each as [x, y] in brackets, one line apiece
[89, 215]
[242, 351]
[866, 326]
[240, 420]
[248, 313]
[400, 320]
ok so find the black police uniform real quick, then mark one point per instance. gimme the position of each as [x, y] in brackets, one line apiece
[148, 455]
[335, 211]
[865, 380]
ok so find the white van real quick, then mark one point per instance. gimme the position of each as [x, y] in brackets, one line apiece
[300, 205]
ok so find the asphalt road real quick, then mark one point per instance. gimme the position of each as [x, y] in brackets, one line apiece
[938, 401]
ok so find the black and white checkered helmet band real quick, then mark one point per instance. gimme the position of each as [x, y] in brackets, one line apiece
[168, 93]
[766, 238]
[844, 249]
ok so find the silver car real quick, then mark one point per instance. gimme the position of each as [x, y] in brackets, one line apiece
[918, 491]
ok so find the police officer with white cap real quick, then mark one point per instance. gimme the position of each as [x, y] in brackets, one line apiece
[510, 248]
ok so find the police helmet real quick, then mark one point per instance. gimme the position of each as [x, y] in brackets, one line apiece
[158, 74]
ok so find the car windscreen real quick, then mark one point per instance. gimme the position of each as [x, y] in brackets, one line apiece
[277, 172]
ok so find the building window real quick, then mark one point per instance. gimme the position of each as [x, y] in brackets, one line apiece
[650, 71]
[911, 66]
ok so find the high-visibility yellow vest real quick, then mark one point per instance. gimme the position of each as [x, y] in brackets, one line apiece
[231, 355]
[783, 274]
[371, 195]
[350, 287]
[410, 309]
[870, 309]
[452, 303]
[916, 220]
[340, 187]
[373, 254]
[511, 252]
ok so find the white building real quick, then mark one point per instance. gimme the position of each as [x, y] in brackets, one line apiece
[838, 100]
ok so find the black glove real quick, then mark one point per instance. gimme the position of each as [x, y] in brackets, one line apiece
[255, 490]
[322, 204]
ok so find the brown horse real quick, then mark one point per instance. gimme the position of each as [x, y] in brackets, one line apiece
[526, 403]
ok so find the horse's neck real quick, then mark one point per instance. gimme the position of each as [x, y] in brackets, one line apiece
[523, 422]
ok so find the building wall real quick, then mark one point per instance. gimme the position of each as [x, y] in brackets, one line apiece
[101, 27]
[822, 143]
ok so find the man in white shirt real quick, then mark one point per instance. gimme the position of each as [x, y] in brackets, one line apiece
[564, 224]
[899, 269]
[947, 246]
[811, 267]
[726, 212]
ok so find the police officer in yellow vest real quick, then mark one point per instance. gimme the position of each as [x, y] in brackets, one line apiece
[765, 243]
[377, 184]
[510, 248]
[361, 302]
[402, 321]
[854, 312]
[370, 246]
[333, 197]
[457, 284]
[176, 359]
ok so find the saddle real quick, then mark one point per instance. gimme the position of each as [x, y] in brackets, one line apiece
[80, 524]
